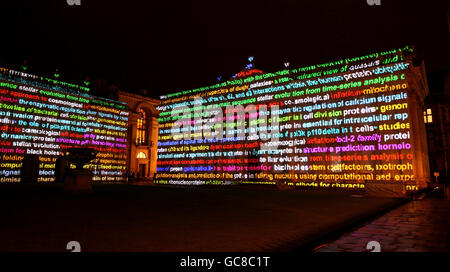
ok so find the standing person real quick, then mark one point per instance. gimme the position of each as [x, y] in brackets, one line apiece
[253, 162]
[29, 171]
[61, 165]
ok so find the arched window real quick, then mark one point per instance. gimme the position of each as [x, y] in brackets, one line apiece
[141, 155]
[141, 138]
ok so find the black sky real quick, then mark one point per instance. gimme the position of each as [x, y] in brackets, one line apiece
[164, 46]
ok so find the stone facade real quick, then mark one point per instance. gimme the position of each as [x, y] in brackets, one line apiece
[142, 153]
[418, 90]
[438, 130]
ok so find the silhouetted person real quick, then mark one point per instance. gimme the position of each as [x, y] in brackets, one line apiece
[30, 169]
[61, 166]
[253, 162]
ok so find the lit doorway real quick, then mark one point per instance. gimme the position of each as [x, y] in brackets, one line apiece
[142, 172]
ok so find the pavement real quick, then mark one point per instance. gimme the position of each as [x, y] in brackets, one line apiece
[119, 217]
[416, 226]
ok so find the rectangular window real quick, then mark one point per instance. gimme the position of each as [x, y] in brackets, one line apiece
[141, 127]
[427, 116]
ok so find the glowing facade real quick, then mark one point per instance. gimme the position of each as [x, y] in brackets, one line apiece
[143, 134]
[41, 117]
[341, 124]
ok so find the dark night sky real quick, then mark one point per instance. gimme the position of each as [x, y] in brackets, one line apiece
[164, 46]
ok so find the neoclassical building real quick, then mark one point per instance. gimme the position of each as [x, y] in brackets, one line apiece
[142, 128]
[142, 134]
[437, 122]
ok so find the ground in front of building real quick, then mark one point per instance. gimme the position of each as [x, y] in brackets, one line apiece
[119, 217]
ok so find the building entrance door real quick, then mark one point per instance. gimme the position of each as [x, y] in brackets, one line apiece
[142, 170]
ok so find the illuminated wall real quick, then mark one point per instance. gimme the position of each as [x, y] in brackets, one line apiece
[42, 117]
[142, 154]
[340, 124]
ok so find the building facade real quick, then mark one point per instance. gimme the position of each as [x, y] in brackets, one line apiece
[343, 124]
[142, 134]
[349, 123]
[142, 130]
[42, 118]
[437, 121]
